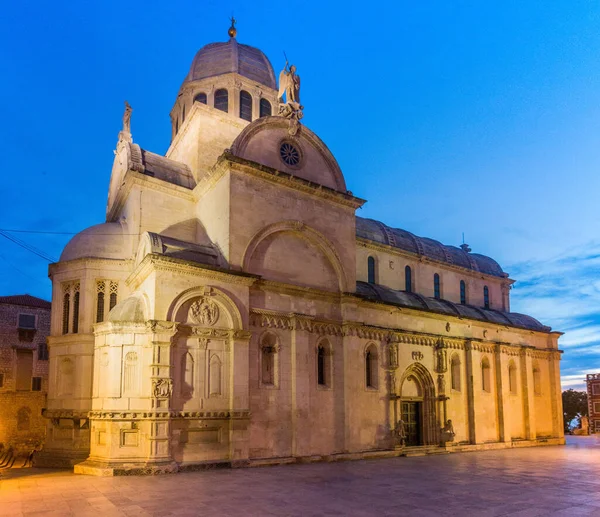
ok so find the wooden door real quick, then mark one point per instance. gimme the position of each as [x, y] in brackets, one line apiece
[411, 415]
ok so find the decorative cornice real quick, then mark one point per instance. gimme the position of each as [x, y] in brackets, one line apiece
[225, 414]
[70, 339]
[64, 413]
[68, 266]
[488, 348]
[157, 262]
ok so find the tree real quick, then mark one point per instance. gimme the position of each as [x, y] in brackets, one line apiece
[575, 405]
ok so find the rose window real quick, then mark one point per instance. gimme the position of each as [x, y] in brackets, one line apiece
[289, 154]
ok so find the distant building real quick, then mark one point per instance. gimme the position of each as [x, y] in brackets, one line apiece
[593, 391]
[24, 327]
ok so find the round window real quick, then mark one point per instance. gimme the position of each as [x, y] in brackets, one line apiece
[289, 154]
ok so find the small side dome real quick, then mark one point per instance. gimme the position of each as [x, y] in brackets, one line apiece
[131, 309]
[100, 241]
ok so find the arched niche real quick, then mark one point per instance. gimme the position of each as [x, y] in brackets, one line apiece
[205, 306]
[293, 253]
[261, 142]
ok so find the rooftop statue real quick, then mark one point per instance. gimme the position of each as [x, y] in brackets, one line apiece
[289, 84]
[127, 118]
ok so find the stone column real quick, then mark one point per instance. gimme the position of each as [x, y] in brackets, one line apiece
[502, 432]
[470, 391]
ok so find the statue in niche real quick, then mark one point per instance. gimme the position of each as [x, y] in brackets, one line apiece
[393, 384]
[127, 118]
[393, 355]
[441, 360]
[441, 384]
[204, 312]
[447, 432]
[289, 84]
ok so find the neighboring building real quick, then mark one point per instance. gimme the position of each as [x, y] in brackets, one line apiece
[593, 393]
[233, 309]
[24, 327]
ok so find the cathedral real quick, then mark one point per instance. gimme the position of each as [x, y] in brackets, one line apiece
[234, 310]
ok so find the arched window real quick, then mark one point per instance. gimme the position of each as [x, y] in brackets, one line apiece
[100, 304]
[371, 359]
[113, 295]
[76, 312]
[463, 292]
[66, 306]
[183, 114]
[130, 373]
[324, 364]
[486, 383]
[371, 269]
[201, 98]
[215, 376]
[408, 279]
[187, 374]
[265, 108]
[268, 360]
[512, 378]
[222, 100]
[177, 126]
[455, 372]
[436, 287]
[486, 297]
[537, 380]
[246, 106]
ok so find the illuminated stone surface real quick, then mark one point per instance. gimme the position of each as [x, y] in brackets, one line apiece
[520, 482]
[249, 307]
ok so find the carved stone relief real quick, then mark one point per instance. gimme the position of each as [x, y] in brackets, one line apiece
[162, 388]
[204, 312]
[417, 356]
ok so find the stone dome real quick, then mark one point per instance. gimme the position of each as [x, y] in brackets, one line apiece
[232, 57]
[100, 241]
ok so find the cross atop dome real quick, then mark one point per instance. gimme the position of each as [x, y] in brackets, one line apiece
[232, 30]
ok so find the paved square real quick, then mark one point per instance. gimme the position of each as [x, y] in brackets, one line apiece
[520, 482]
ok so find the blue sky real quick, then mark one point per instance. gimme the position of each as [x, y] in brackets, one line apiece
[448, 117]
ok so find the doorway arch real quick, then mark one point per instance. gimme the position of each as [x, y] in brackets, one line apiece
[417, 395]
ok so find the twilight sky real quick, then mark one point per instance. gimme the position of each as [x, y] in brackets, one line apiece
[448, 117]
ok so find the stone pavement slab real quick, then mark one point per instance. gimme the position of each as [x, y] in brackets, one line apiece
[530, 482]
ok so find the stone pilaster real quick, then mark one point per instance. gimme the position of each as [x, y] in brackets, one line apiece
[470, 392]
[502, 432]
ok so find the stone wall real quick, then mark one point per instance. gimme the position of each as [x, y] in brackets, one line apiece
[21, 422]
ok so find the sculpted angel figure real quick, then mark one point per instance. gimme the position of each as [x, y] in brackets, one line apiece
[289, 83]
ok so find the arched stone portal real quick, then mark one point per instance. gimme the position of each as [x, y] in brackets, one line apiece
[415, 405]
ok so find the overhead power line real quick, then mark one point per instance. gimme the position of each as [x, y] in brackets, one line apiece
[54, 233]
[28, 247]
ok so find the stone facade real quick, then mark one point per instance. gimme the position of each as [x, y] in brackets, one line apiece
[233, 309]
[24, 327]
